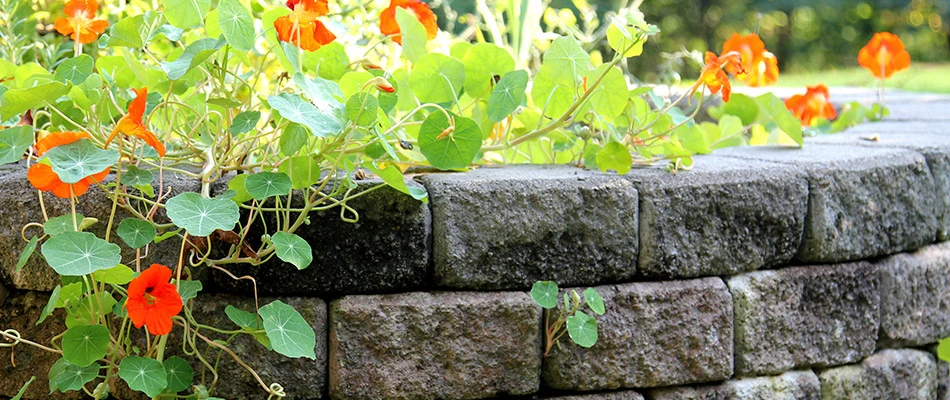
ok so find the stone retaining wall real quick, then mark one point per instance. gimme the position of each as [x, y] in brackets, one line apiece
[762, 273]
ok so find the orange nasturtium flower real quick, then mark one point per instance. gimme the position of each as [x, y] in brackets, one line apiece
[761, 66]
[812, 105]
[884, 55]
[387, 19]
[80, 22]
[132, 124]
[42, 176]
[714, 73]
[153, 300]
[302, 28]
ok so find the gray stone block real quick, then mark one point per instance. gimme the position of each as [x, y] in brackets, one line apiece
[19, 206]
[921, 110]
[653, 334]
[815, 316]
[505, 228]
[915, 297]
[889, 374]
[863, 202]
[451, 345]
[624, 395]
[387, 250]
[793, 385]
[722, 217]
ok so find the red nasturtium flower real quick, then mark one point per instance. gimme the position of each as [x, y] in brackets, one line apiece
[884, 55]
[80, 22]
[131, 123]
[387, 19]
[153, 300]
[714, 73]
[302, 28]
[42, 176]
[812, 105]
[760, 65]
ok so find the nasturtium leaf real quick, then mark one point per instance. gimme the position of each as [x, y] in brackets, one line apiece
[186, 13]
[303, 171]
[90, 309]
[773, 110]
[135, 176]
[582, 329]
[244, 122]
[135, 232]
[565, 53]
[292, 139]
[83, 345]
[242, 318]
[200, 216]
[508, 95]
[458, 144]
[189, 290]
[26, 253]
[61, 224]
[293, 249]
[483, 62]
[414, 35]
[615, 156]
[178, 374]
[331, 61]
[13, 142]
[268, 184]
[65, 377]
[390, 174]
[288, 332]
[610, 97]
[236, 184]
[117, 275]
[554, 90]
[196, 53]
[80, 253]
[544, 293]
[693, 138]
[354, 82]
[943, 349]
[143, 374]
[71, 293]
[166, 235]
[237, 24]
[739, 105]
[74, 70]
[437, 78]
[22, 391]
[323, 93]
[361, 108]
[80, 159]
[135, 31]
[594, 301]
[622, 36]
[15, 101]
[50, 305]
[294, 108]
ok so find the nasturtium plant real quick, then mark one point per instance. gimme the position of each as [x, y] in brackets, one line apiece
[567, 316]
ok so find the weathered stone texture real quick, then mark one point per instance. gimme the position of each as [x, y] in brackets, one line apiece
[623, 395]
[863, 202]
[387, 250]
[505, 228]
[794, 385]
[804, 316]
[452, 345]
[915, 297]
[653, 334]
[722, 217]
[19, 206]
[889, 374]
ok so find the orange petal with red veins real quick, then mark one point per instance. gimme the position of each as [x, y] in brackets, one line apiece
[42, 177]
[57, 139]
[63, 26]
[137, 105]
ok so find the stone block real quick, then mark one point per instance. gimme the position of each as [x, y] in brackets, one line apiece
[814, 316]
[653, 334]
[505, 228]
[19, 206]
[793, 385]
[623, 395]
[862, 202]
[386, 250]
[450, 345]
[889, 374]
[915, 297]
[722, 217]
[921, 110]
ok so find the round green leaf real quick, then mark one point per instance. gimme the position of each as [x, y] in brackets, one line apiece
[544, 293]
[361, 108]
[582, 329]
[322, 123]
[567, 54]
[242, 318]
[237, 24]
[90, 309]
[267, 184]
[186, 13]
[135, 232]
[483, 62]
[614, 156]
[244, 122]
[199, 215]
[621, 35]
[26, 253]
[117, 275]
[508, 95]
[13, 142]
[143, 374]
[554, 90]
[83, 345]
[77, 160]
[135, 176]
[303, 171]
[458, 144]
[75, 70]
[437, 78]
[288, 332]
[61, 224]
[237, 185]
[189, 290]
[413, 33]
[293, 249]
[178, 374]
[594, 301]
[80, 253]
[610, 97]
[64, 376]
